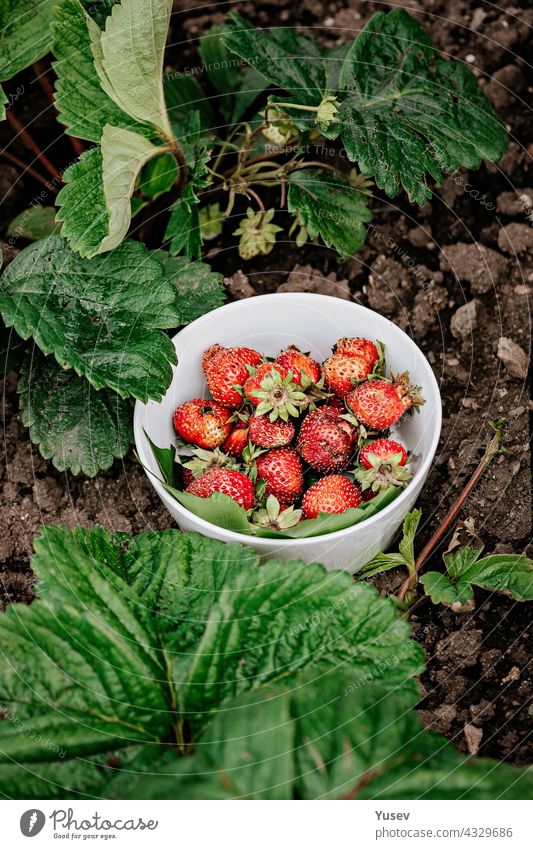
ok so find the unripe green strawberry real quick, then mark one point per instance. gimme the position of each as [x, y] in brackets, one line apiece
[229, 482]
[226, 369]
[202, 422]
[331, 494]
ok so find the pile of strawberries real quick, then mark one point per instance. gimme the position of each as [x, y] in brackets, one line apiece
[290, 438]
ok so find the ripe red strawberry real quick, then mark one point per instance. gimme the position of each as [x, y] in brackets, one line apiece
[383, 462]
[271, 389]
[331, 494]
[326, 440]
[209, 353]
[204, 423]
[378, 403]
[227, 368]
[282, 472]
[269, 434]
[237, 440]
[299, 364]
[227, 481]
[341, 371]
[358, 347]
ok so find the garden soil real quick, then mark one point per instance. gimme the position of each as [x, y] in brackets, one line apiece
[456, 275]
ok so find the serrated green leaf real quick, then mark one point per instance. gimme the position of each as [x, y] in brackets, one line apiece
[407, 543]
[442, 590]
[82, 206]
[25, 34]
[285, 58]
[83, 105]
[459, 560]
[328, 523]
[184, 93]
[218, 509]
[36, 222]
[158, 176]
[507, 573]
[237, 86]
[123, 155]
[99, 10]
[79, 429]
[183, 229]
[272, 622]
[330, 208]
[408, 114]
[166, 461]
[128, 57]
[100, 317]
[200, 290]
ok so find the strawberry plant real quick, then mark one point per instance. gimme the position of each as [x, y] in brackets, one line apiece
[171, 666]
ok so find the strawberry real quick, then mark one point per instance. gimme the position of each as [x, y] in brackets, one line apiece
[227, 481]
[226, 369]
[299, 364]
[204, 423]
[383, 462]
[358, 347]
[203, 460]
[209, 353]
[269, 434]
[271, 389]
[326, 440]
[237, 440]
[282, 472]
[331, 494]
[379, 403]
[341, 373]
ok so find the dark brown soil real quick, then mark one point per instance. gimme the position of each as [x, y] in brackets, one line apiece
[457, 275]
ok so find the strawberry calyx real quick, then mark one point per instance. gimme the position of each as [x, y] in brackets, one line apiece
[204, 460]
[411, 396]
[274, 517]
[279, 396]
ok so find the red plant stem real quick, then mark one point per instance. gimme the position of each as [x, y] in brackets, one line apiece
[492, 449]
[44, 81]
[28, 169]
[32, 145]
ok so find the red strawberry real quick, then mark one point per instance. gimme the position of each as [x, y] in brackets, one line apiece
[342, 371]
[269, 434]
[227, 481]
[383, 461]
[378, 403]
[271, 389]
[299, 364]
[204, 423]
[331, 494]
[227, 368]
[237, 440]
[358, 347]
[326, 440]
[282, 472]
[209, 353]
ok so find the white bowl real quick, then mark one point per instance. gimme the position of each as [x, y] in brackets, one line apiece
[270, 323]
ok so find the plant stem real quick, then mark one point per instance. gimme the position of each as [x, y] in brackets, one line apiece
[27, 169]
[493, 448]
[32, 145]
[295, 106]
[257, 199]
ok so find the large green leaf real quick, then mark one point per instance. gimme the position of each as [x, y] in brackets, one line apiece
[330, 208]
[328, 737]
[100, 317]
[82, 103]
[36, 222]
[272, 622]
[183, 229]
[407, 113]
[218, 509]
[82, 206]
[128, 56]
[75, 426]
[25, 33]
[200, 290]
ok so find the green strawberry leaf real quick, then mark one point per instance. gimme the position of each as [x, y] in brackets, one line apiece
[441, 590]
[36, 222]
[383, 562]
[200, 290]
[82, 205]
[3, 100]
[407, 543]
[99, 10]
[328, 523]
[264, 628]
[12, 350]
[83, 105]
[128, 57]
[25, 34]
[183, 94]
[407, 113]
[158, 176]
[218, 509]
[237, 87]
[78, 428]
[101, 317]
[330, 208]
[183, 229]
[166, 459]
